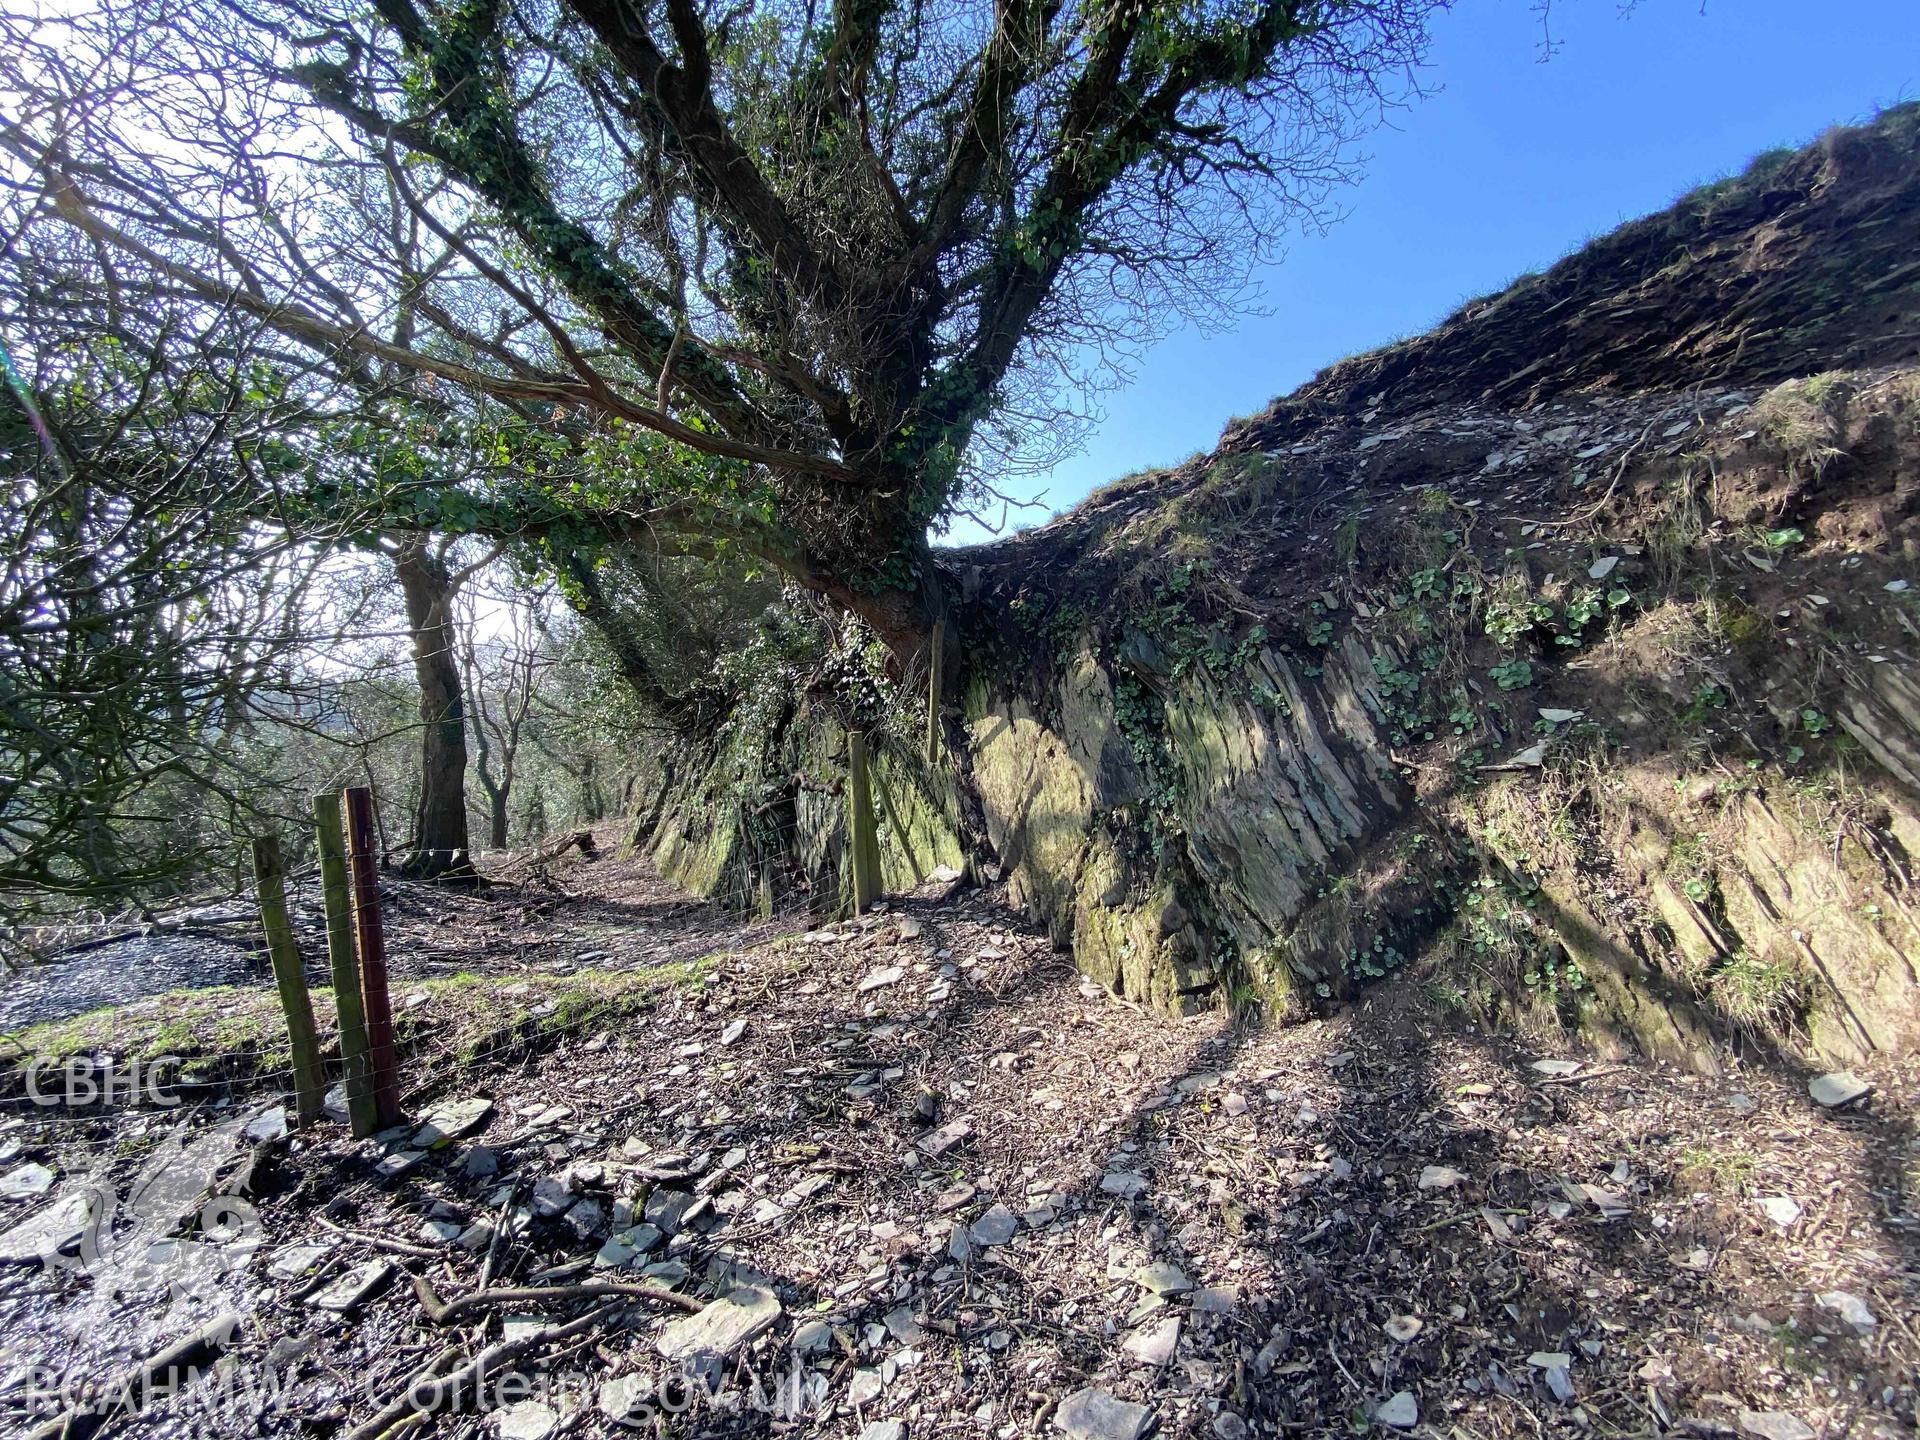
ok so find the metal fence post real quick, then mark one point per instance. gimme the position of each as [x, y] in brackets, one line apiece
[371, 941]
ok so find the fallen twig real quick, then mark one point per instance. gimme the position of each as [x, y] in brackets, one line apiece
[381, 1242]
[502, 1223]
[1580, 1078]
[442, 1312]
[440, 1387]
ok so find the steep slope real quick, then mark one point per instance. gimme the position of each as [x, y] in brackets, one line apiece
[1803, 263]
[1563, 655]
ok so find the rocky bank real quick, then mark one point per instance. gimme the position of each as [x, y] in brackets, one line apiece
[1561, 657]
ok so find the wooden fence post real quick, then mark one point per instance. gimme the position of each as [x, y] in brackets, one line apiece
[933, 690]
[337, 892]
[269, 875]
[862, 839]
[371, 941]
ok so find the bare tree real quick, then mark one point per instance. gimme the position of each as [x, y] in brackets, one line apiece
[148, 603]
[503, 676]
[792, 283]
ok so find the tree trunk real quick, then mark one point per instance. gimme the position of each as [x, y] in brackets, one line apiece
[496, 791]
[900, 614]
[440, 845]
[902, 618]
[592, 809]
[589, 600]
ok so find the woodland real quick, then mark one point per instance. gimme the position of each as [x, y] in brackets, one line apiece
[543, 894]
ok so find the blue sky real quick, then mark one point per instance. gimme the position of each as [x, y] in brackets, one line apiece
[1508, 167]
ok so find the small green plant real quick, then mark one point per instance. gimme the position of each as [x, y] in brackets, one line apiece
[1690, 866]
[1553, 972]
[1814, 723]
[1582, 609]
[1320, 632]
[1249, 643]
[1264, 694]
[1495, 920]
[1463, 717]
[1706, 700]
[1181, 580]
[1346, 540]
[1509, 621]
[1512, 674]
[1374, 961]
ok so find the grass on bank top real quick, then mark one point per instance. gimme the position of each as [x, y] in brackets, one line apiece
[236, 1035]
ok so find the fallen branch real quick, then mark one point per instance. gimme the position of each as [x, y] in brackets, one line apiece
[153, 1379]
[539, 855]
[1580, 1078]
[442, 1312]
[405, 1409]
[439, 1386]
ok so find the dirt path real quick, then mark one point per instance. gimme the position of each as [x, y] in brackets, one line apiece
[606, 913]
[975, 1188]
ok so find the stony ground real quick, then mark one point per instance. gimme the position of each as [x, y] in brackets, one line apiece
[912, 1175]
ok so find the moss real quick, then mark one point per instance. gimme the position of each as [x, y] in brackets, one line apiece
[919, 821]
[1721, 1167]
[222, 1019]
[1146, 950]
[1629, 1000]
[235, 1036]
[1743, 627]
[699, 864]
[486, 1019]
